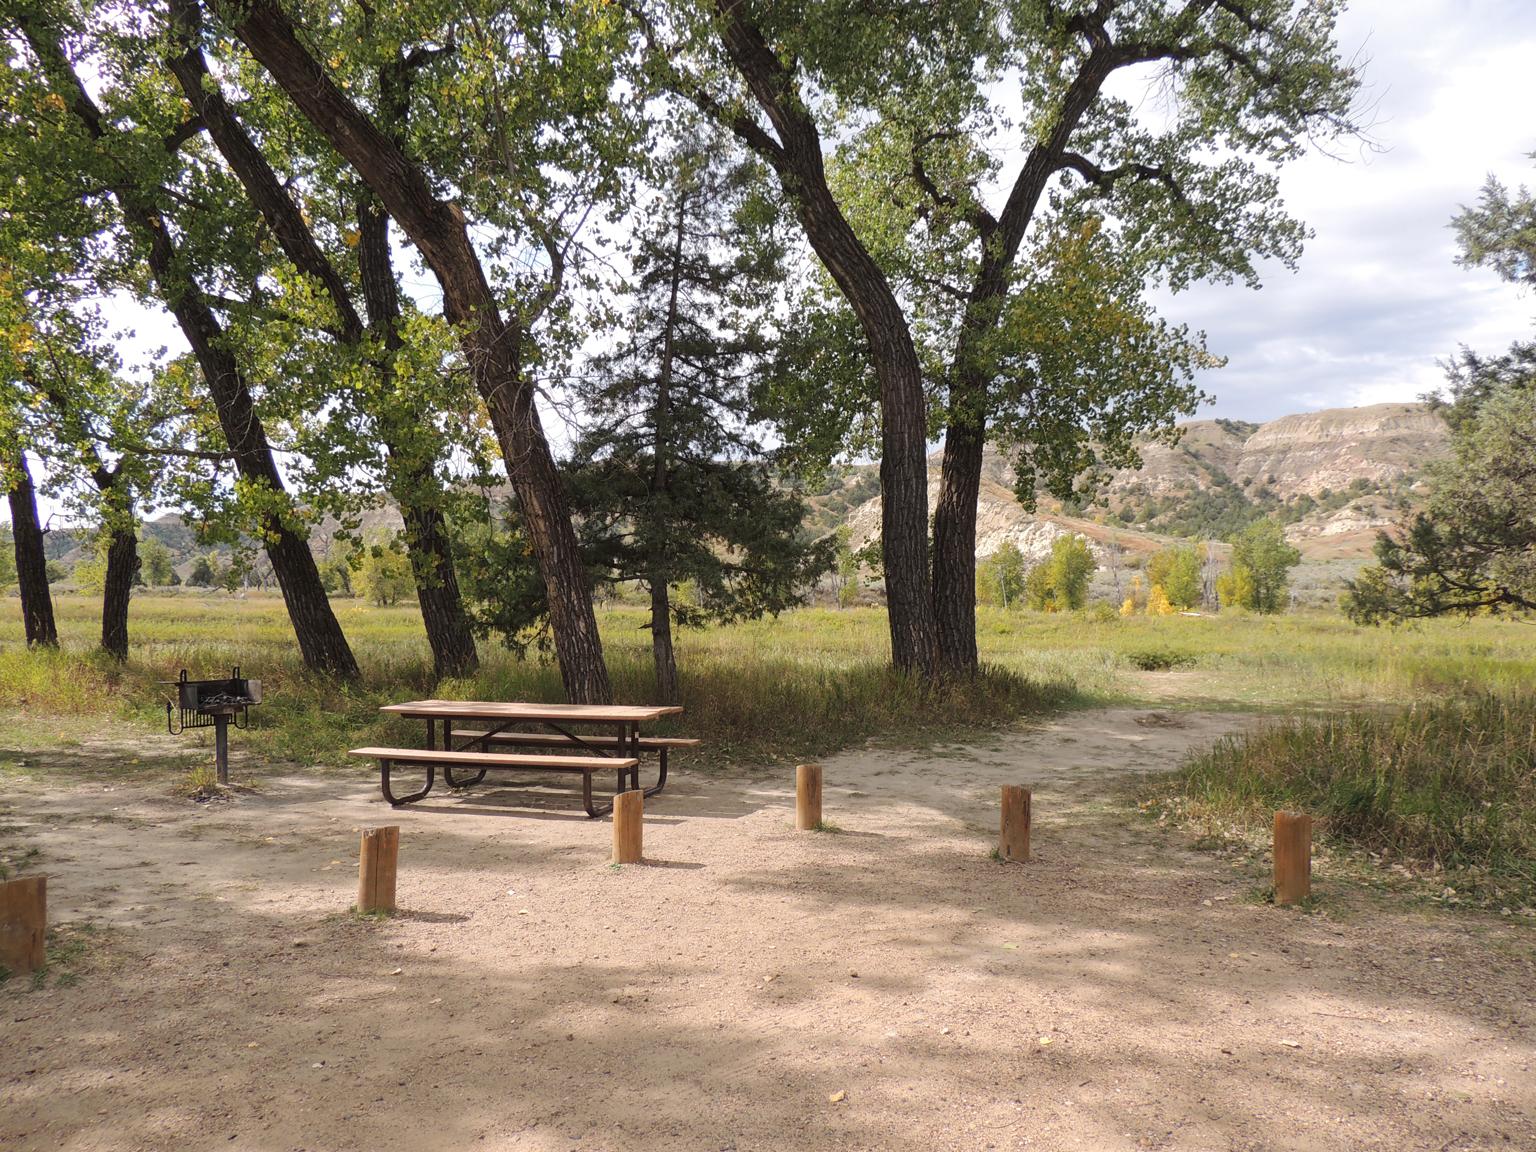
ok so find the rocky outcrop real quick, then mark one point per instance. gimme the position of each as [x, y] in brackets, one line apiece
[1317, 452]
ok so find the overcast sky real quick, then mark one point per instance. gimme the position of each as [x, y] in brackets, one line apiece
[1378, 300]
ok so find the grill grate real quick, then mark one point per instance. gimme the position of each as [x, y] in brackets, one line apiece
[205, 703]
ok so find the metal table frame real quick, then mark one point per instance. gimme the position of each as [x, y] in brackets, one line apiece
[625, 721]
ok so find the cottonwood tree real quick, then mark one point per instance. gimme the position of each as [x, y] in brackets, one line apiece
[670, 476]
[977, 283]
[122, 165]
[518, 108]
[1259, 575]
[38, 624]
[106, 438]
[380, 410]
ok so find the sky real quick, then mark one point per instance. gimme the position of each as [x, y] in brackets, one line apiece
[1378, 300]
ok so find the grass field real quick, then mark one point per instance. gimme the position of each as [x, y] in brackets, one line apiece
[819, 673]
[1417, 742]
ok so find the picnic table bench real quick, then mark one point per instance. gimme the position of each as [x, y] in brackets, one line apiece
[584, 752]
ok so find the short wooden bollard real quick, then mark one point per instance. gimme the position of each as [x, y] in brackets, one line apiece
[1014, 842]
[376, 865]
[628, 826]
[23, 923]
[1293, 857]
[807, 797]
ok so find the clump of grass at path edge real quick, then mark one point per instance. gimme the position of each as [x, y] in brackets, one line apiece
[1448, 784]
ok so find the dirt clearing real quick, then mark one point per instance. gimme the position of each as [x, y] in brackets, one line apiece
[886, 986]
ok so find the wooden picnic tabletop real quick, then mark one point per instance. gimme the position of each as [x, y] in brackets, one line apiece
[508, 711]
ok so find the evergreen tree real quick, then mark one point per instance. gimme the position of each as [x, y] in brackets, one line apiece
[671, 477]
[1473, 549]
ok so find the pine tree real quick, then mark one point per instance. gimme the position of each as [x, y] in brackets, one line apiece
[671, 477]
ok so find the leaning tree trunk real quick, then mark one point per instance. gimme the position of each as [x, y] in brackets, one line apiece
[122, 567]
[493, 345]
[412, 479]
[321, 641]
[797, 157]
[413, 484]
[31, 559]
[954, 526]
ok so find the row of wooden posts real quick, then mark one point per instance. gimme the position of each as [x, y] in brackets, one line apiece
[24, 902]
[1292, 841]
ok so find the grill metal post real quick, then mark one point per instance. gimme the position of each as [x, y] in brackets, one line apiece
[221, 746]
[213, 704]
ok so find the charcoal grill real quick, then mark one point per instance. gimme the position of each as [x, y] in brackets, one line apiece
[213, 704]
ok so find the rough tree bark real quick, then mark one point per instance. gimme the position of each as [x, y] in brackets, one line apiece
[412, 483]
[122, 567]
[796, 156]
[31, 558]
[493, 344]
[321, 641]
[954, 520]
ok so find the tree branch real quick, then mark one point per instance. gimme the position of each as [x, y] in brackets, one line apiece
[1106, 179]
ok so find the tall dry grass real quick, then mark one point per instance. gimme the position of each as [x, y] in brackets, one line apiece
[1449, 783]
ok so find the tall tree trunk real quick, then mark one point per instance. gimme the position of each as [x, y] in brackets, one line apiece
[411, 481]
[797, 157]
[122, 567]
[954, 544]
[493, 345]
[321, 641]
[659, 577]
[31, 559]
[954, 524]
[411, 478]
[662, 652]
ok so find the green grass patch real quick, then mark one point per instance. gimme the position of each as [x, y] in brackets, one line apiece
[70, 952]
[1446, 785]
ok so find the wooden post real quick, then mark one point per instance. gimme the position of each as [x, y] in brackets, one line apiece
[1293, 857]
[1014, 842]
[807, 797]
[377, 861]
[628, 818]
[23, 923]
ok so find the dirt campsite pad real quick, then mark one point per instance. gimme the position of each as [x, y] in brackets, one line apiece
[884, 986]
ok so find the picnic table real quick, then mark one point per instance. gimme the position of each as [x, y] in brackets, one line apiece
[579, 738]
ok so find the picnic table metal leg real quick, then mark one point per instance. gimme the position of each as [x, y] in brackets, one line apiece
[394, 800]
[482, 742]
[454, 782]
[661, 774]
[594, 810]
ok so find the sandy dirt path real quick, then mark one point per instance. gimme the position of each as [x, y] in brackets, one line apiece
[1121, 991]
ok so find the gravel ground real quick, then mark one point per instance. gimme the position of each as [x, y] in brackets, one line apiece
[886, 986]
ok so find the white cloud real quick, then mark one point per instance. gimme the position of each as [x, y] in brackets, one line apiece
[1378, 298]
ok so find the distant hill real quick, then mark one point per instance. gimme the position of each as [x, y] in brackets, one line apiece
[1333, 477]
